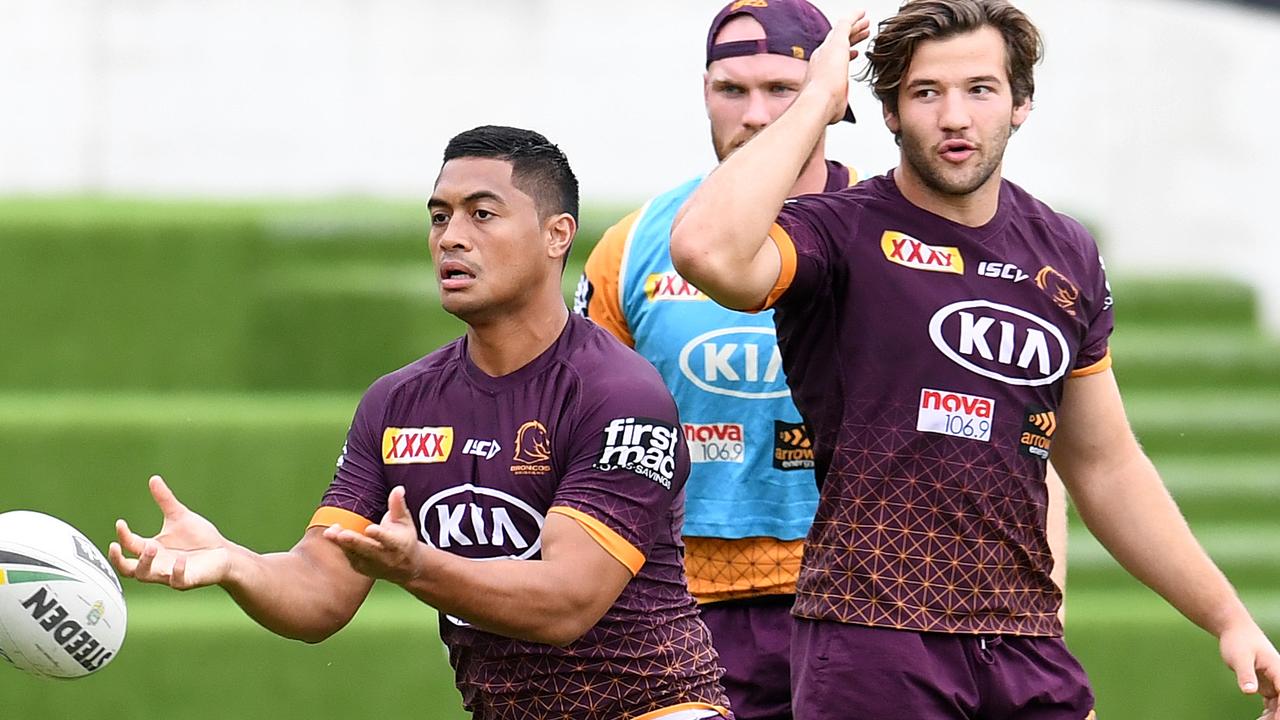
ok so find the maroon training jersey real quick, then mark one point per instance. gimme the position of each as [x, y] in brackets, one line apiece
[929, 358]
[586, 429]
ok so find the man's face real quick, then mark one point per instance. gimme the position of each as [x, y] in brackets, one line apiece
[744, 94]
[956, 112]
[486, 239]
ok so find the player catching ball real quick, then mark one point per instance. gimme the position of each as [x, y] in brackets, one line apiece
[525, 480]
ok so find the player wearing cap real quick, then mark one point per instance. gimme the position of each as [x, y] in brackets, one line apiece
[935, 391]
[751, 493]
[525, 480]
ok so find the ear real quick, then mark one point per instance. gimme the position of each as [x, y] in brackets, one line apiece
[1020, 113]
[559, 231]
[891, 119]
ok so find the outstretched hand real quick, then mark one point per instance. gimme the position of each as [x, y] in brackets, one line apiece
[829, 67]
[188, 552]
[389, 550]
[1256, 664]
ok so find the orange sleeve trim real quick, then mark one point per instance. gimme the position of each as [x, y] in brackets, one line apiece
[787, 272]
[685, 711]
[853, 176]
[604, 272]
[613, 543]
[326, 516]
[1094, 369]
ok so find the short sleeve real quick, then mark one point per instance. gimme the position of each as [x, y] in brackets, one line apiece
[1095, 351]
[598, 296]
[805, 234]
[627, 466]
[357, 497]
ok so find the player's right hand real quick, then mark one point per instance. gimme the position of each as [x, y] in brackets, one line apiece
[828, 70]
[188, 552]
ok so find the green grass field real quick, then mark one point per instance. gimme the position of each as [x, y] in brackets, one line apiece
[225, 346]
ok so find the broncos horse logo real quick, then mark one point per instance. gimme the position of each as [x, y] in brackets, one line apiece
[1062, 291]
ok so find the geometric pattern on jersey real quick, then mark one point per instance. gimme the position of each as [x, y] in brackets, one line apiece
[923, 353]
[484, 461]
[915, 507]
[729, 569]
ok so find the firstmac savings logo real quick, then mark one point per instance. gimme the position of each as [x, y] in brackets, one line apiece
[481, 523]
[741, 362]
[1037, 432]
[412, 446]
[644, 446]
[1000, 342]
[792, 446]
[902, 249]
[532, 454]
[670, 286]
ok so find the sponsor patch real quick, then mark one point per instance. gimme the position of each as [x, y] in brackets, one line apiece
[955, 414]
[481, 448]
[1038, 427]
[481, 523]
[412, 446]
[582, 296]
[1004, 271]
[715, 442]
[644, 446]
[533, 449]
[1000, 342]
[902, 249]
[670, 286]
[792, 446]
[741, 362]
[1062, 291]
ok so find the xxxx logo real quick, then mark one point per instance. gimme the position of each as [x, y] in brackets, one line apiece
[408, 446]
[748, 3]
[670, 286]
[904, 250]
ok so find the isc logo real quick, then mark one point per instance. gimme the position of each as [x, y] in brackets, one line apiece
[741, 362]
[407, 446]
[481, 523]
[670, 286]
[1006, 271]
[1000, 342]
[902, 249]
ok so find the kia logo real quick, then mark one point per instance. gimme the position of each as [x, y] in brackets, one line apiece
[1000, 342]
[481, 524]
[741, 362]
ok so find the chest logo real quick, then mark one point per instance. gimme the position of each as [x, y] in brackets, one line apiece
[792, 446]
[1000, 342]
[904, 250]
[1037, 432]
[533, 449]
[1004, 271]
[955, 414]
[741, 362]
[670, 286]
[412, 446]
[481, 448]
[715, 442]
[1062, 291]
[481, 523]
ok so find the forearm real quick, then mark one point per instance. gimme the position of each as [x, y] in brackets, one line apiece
[532, 600]
[1128, 509]
[721, 231]
[295, 594]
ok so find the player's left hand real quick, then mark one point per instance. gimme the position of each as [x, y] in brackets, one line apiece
[1248, 652]
[389, 550]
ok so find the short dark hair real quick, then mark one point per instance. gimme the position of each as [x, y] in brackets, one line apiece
[538, 167]
[919, 20]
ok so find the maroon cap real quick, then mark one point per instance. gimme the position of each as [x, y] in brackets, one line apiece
[793, 28]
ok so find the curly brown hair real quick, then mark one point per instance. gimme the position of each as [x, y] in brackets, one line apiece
[919, 20]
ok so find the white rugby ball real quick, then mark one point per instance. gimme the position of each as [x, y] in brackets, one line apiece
[62, 612]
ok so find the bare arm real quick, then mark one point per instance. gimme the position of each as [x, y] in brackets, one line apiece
[718, 239]
[554, 600]
[307, 593]
[1121, 498]
[1056, 530]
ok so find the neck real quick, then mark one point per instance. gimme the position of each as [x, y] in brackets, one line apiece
[504, 344]
[813, 177]
[973, 209]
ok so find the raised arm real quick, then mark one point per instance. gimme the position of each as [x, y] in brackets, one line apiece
[718, 240]
[307, 593]
[1121, 498]
[554, 600]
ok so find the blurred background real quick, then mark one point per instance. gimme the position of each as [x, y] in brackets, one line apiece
[212, 239]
